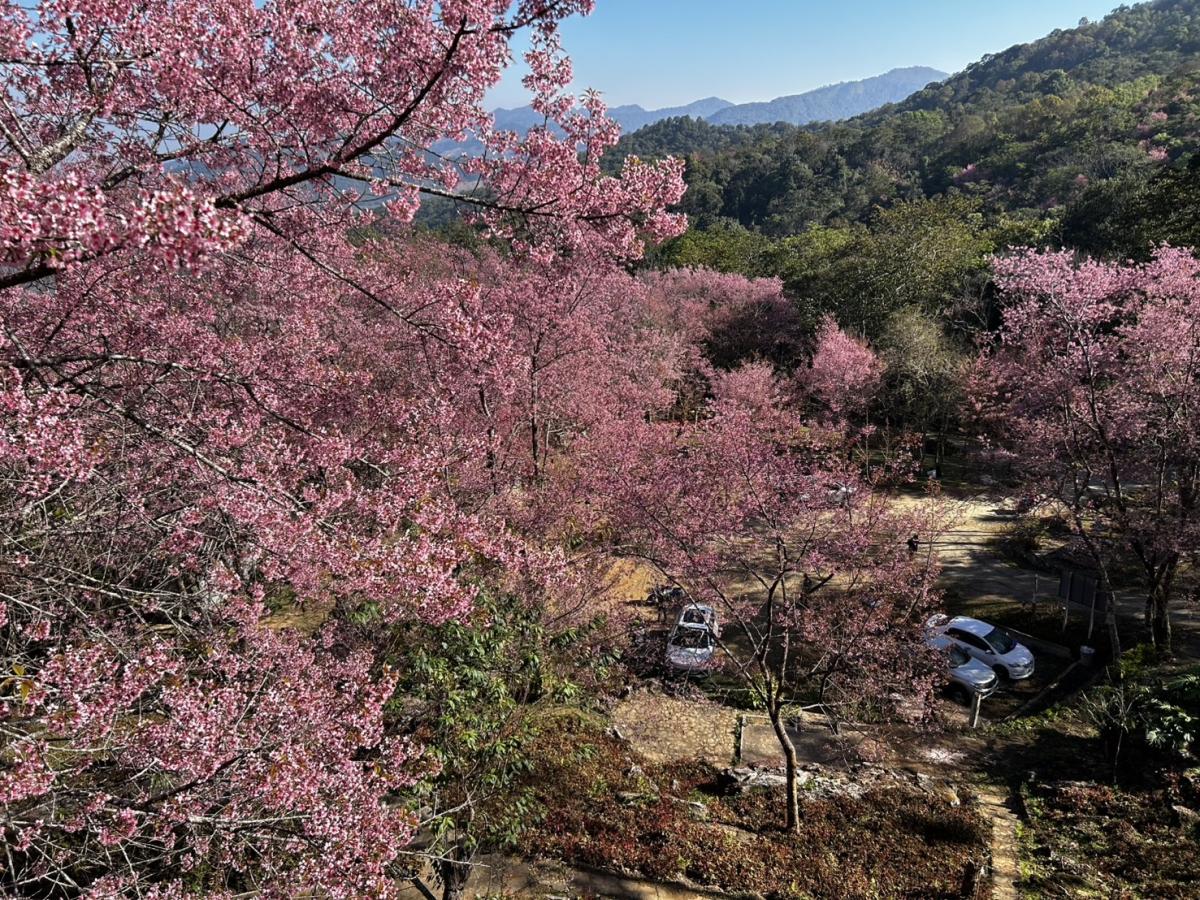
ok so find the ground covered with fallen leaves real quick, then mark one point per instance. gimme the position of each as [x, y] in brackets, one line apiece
[1090, 839]
[605, 806]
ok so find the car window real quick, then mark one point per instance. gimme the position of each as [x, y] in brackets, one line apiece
[968, 638]
[1001, 640]
[958, 657]
[693, 616]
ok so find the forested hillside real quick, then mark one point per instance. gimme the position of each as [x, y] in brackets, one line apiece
[1036, 133]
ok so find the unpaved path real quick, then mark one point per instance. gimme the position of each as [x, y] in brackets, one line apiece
[972, 568]
[500, 876]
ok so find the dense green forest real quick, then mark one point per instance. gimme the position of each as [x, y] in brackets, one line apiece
[1029, 131]
[1083, 139]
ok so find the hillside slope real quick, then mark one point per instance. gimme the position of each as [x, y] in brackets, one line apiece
[1034, 131]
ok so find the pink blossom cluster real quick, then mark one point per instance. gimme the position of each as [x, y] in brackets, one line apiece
[968, 174]
[61, 222]
[844, 375]
[217, 404]
[183, 125]
[266, 749]
[1092, 395]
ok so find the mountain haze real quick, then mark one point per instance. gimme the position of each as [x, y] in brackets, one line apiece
[633, 117]
[630, 117]
[836, 101]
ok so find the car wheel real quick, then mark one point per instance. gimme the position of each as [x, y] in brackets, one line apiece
[959, 694]
[1001, 672]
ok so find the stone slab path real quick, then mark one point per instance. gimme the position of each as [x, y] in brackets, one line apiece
[499, 876]
[814, 743]
[664, 729]
[1006, 868]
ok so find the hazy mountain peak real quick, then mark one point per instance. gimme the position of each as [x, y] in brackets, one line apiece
[836, 101]
[630, 116]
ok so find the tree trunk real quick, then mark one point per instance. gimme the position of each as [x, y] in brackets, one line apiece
[1158, 612]
[940, 456]
[1110, 619]
[454, 875]
[534, 446]
[789, 755]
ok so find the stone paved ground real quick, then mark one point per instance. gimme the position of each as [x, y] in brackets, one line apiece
[498, 876]
[814, 743]
[664, 729]
[1006, 865]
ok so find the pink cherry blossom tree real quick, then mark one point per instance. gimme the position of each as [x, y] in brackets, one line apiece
[763, 519]
[179, 127]
[1092, 391]
[733, 319]
[218, 419]
[185, 448]
[844, 374]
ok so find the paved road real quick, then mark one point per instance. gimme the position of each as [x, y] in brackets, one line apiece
[975, 571]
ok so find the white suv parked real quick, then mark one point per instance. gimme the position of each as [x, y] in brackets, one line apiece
[987, 643]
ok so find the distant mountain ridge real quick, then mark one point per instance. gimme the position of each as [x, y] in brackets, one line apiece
[833, 102]
[830, 103]
[630, 117]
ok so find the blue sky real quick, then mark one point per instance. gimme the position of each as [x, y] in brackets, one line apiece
[668, 52]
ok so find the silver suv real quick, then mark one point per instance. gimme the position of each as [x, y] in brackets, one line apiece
[987, 643]
[967, 675]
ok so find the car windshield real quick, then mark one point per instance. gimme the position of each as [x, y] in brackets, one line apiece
[1000, 640]
[691, 639]
[693, 616]
[958, 657]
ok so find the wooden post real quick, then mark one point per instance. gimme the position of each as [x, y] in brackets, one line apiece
[1066, 601]
[976, 702]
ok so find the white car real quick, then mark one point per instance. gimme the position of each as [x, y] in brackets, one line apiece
[987, 643]
[691, 649]
[967, 675]
[700, 614]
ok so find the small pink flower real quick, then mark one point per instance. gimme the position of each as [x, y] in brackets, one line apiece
[38, 630]
[123, 828]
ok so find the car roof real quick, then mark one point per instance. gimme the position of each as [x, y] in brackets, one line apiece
[971, 626]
